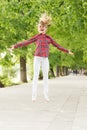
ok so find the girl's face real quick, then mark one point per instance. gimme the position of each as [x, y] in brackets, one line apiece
[42, 29]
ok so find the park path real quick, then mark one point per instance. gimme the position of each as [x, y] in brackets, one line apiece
[67, 109]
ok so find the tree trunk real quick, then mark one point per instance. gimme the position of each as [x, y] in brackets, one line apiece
[66, 70]
[57, 71]
[61, 71]
[23, 74]
[52, 72]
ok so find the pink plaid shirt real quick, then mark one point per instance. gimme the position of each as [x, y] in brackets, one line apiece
[42, 45]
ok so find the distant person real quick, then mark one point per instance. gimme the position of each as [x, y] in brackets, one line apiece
[42, 41]
[75, 71]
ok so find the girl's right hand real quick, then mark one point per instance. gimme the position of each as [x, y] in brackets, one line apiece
[11, 48]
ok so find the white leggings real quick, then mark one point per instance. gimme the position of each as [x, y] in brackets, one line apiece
[44, 64]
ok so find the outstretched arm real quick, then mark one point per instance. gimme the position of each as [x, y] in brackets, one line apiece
[24, 43]
[60, 47]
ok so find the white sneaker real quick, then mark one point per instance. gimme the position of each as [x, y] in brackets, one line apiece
[47, 98]
[33, 99]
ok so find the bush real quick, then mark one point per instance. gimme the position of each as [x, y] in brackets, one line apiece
[1, 85]
[5, 81]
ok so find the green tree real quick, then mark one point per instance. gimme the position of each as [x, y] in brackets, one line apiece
[18, 21]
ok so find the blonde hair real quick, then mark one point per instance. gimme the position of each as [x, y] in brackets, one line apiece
[45, 20]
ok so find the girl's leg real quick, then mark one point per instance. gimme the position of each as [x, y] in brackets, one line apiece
[45, 69]
[35, 78]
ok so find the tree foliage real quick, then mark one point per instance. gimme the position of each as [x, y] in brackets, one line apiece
[19, 19]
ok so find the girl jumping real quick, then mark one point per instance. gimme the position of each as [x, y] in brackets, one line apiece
[42, 41]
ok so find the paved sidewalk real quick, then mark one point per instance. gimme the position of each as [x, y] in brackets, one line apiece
[67, 109]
